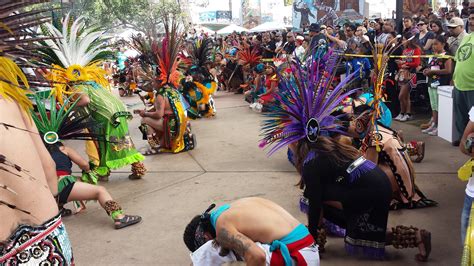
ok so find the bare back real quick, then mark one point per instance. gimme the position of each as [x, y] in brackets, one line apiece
[160, 100]
[259, 219]
[32, 193]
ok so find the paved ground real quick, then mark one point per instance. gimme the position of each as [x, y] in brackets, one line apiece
[226, 165]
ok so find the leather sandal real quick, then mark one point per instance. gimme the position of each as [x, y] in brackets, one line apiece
[127, 220]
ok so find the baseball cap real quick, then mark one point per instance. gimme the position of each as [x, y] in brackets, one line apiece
[314, 27]
[455, 22]
[300, 38]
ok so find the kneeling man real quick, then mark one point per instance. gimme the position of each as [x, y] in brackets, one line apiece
[255, 230]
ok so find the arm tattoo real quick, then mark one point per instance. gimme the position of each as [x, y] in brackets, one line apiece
[234, 242]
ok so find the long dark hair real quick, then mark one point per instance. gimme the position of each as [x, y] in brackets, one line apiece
[440, 26]
[412, 43]
[339, 153]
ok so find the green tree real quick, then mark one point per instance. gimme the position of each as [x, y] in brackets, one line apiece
[141, 15]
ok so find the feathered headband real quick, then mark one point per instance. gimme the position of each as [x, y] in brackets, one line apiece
[306, 101]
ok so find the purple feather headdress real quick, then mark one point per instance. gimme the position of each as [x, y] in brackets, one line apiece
[305, 103]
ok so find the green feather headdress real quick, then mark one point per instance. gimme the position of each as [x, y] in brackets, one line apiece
[63, 123]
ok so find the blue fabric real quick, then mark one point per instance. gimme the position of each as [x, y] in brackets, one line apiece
[385, 113]
[215, 214]
[297, 234]
[466, 212]
[356, 64]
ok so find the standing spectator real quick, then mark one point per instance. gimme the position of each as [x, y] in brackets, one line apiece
[407, 75]
[278, 40]
[339, 40]
[361, 64]
[408, 26]
[463, 95]
[268, 46]
[439, 72]
[465, 10]
[350, 37]
[289, 46]
[425, 37]
[300, 50]
[330, 30]
[457, 33]
[437, 27]
[467, 148]
[387, 29]
[377, 32]
[316, 36]
[362, 38]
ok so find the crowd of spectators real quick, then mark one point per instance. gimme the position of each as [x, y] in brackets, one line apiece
[411, 81]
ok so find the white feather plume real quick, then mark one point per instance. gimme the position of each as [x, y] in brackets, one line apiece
[73, 46]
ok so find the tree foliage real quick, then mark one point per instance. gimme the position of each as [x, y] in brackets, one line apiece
[140, 15]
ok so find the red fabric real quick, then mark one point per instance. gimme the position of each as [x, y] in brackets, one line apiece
[166, 132]
[294, 248]
[413, 62]
[267, 98]
[62, 172]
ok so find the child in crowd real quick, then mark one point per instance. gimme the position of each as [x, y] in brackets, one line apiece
[438, 71]
[407, 75]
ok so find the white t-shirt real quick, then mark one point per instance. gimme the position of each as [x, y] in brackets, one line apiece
[470, 183]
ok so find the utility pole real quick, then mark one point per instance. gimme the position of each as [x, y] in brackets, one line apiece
[399, 16]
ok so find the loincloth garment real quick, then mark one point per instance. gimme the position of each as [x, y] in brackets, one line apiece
[46, 244]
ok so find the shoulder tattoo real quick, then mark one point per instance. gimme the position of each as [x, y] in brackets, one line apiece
[236, 242]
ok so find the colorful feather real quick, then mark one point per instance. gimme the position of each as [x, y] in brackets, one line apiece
[249, 56]
[17, 42]
[307, 93]
[75, 54]
[65, 122]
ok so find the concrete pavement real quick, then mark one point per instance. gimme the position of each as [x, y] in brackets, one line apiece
[226, 165]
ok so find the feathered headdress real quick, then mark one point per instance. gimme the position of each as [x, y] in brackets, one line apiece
[380, 54]
[75, 54]
[249, 56]
[63, 123]
[16, 45]
[160, 57]
[306, 102]
[200, 52]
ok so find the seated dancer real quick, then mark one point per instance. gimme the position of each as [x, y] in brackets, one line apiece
[341, 185]
[199, 84]
[274, 237]
[27, 178]
[414, 148]
[81, 75]
[167, 125]
[271, 87]
[257, 87]
[383, 146]
[61, 125]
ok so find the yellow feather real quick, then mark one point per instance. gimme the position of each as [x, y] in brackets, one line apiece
[10, 88]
